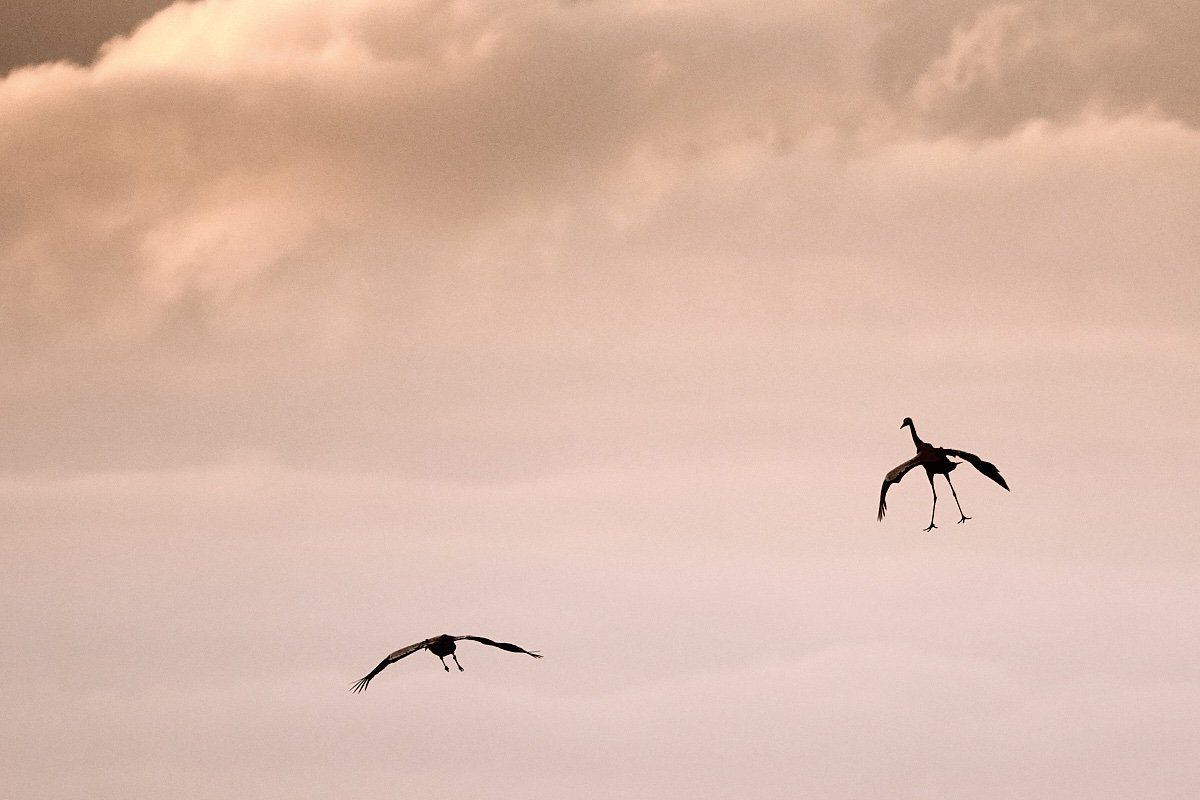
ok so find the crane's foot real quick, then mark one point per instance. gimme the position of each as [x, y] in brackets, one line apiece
[931, 527]
[964, 519]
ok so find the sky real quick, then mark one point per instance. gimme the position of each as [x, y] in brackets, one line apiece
[589, 326]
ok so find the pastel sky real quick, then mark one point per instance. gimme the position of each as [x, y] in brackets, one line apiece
[329, 327]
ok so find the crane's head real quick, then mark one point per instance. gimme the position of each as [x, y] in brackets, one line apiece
[908, 423]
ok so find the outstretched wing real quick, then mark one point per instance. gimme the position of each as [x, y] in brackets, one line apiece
[986, 467]
[361, 684]
[894, 477]
[512, 648]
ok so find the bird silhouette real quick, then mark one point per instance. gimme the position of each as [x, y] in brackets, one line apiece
[440, 646]
[936, 461]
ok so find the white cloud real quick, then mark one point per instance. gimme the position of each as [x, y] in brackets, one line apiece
[226, 148]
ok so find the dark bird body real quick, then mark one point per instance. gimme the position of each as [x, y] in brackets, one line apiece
[440, 646]
[935, 461]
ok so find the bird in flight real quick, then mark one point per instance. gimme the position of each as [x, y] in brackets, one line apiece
[440, 646]
[936, 461]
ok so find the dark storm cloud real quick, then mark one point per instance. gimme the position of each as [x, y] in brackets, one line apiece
[33, 32]
[982, 68]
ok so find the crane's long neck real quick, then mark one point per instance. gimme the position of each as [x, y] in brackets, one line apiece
[916, 439]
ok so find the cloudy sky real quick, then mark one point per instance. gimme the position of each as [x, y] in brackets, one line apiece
[328, 327]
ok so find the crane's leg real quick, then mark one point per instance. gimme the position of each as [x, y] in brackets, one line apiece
[455, 657]
[443, 658]
[960, 511]
[934, 509]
